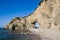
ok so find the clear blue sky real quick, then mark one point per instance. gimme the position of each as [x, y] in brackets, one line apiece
[16, 8]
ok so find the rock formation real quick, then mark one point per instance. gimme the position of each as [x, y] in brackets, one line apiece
[47, 15]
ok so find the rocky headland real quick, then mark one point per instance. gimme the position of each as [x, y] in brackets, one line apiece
[47, 14]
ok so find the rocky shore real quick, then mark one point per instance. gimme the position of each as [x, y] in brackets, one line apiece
[36, 34]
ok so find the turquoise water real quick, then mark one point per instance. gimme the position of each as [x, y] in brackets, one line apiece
[13, 35]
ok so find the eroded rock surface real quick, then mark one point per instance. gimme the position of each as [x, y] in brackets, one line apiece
[47, 14]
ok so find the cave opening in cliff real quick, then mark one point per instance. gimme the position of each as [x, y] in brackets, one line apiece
[36, 25]
[13, 27]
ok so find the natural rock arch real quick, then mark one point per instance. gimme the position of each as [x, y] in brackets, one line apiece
[45, 14]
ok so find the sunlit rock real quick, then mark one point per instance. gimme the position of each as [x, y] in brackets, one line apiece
[47, 14]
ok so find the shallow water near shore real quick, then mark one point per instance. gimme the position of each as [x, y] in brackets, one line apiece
[14, 35]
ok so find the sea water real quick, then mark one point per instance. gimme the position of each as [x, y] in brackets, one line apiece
[12, 35]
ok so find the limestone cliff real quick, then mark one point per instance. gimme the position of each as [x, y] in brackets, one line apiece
[47, 14]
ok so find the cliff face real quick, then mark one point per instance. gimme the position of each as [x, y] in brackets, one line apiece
[17, 23]
[47, 15]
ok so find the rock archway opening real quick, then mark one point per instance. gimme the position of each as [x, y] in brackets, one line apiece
[36, 24]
